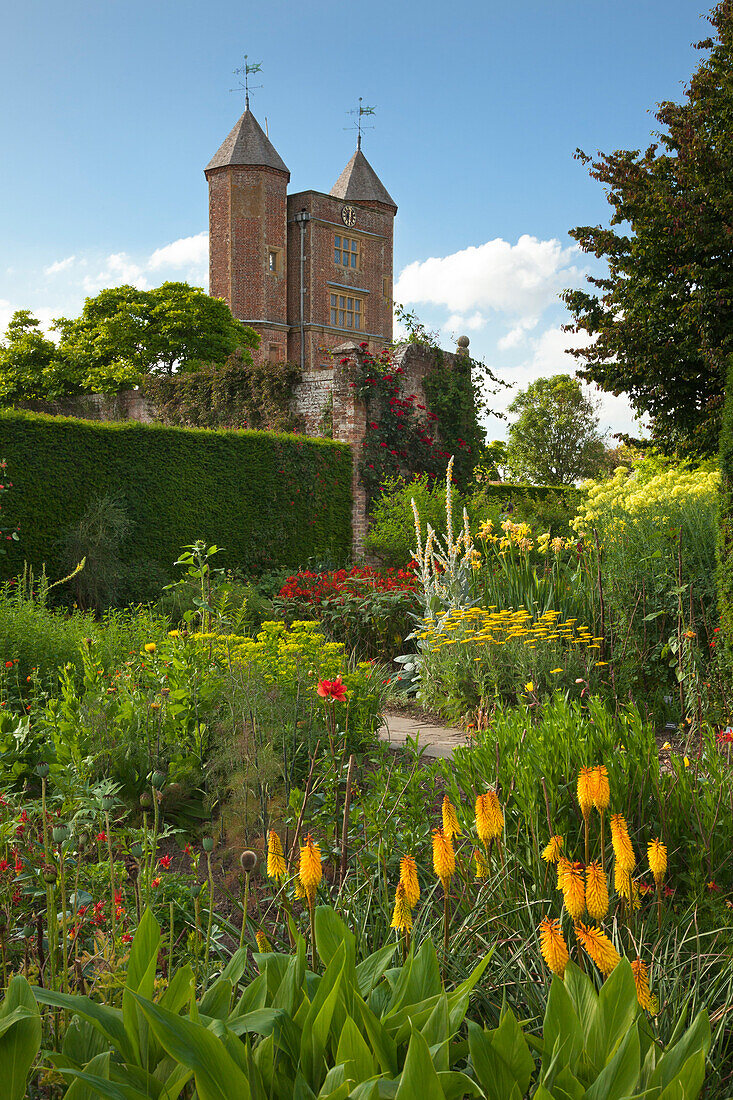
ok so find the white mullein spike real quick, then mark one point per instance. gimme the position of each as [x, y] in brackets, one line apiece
[418, 535]
[449, 504]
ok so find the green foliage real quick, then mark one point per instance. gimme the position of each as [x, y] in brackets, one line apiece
[269, 500]
[20, 1037]
[725, 526]
[96, 540]
[26, 360]
[660, 321]
[555, 437]
[236, 395]
[361, 1030]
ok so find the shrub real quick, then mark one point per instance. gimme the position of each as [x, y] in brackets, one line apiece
[269, 500]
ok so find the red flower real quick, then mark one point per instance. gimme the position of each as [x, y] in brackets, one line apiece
[156, 882]
[102, 837]
[725, 737]
[165, 862]
[4, 865]
[8, 664]
[332, 689]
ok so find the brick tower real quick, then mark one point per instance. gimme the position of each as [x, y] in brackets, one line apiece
[248, 233]
[306, 271]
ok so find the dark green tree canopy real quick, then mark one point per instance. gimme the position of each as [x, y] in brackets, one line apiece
[122, 335]
[555, 438]
[661, 320]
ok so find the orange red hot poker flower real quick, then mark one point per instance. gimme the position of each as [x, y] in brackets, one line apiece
[409, 880]
[553, 947]
[489, 816]
[276, 867]
[451, 827]
[310, 871]
[444, 860]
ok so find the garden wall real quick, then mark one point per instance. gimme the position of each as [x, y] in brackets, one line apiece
[269, 500]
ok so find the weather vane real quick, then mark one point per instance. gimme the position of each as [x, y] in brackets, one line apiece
[360, 111]
[245, 72]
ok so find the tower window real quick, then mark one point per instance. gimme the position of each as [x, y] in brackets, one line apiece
[273, 261]
[345, 251]
[346, 312]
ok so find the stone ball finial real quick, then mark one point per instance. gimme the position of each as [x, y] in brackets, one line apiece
[463, 342]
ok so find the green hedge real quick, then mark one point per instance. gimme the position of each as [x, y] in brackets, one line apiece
[271, 501]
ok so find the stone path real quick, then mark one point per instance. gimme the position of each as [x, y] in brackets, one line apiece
[435, 740]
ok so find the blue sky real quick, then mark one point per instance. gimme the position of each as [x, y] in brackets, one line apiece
[112, 109]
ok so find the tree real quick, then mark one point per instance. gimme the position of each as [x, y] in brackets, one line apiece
[26, 357]
[661, 319]
[124, 333]
[555, 438]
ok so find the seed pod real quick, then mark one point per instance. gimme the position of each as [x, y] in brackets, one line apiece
[208, 844]
[49, 873]
[42, 770]
[248, 861]
[157, 779]
[60, 833]
[146, 800]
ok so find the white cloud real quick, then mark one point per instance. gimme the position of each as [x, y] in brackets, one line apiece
[60, 265]
[185, 252]
[517, 334]
[519, 280]
[457, 323]
[6, 312]
[118, 269]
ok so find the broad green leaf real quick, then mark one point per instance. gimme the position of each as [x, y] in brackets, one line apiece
[354, 1053]
[331, 932]
[20, 1037]
[510, 1047]
[688, 1082]
[290, 991]
[140, 978]
[369, 972]
[457, 1085]
[418, 979]
[582, 993]
[617, 1009]
[562, 1034]
[216, 1075]
[620, 1077]
[317, 1023]
[254, 996]
[566, 1086]
[102, 1086]
[697, 1037]
[179, 990]
[418, 1080]
[81, 1090]
[82, 1042]
[382, 1043]
[216, 1000]
[107, 1020]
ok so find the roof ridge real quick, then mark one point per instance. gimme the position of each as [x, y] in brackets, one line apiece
[360, 183]
[247, 144]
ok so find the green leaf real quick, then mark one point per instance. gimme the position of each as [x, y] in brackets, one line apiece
[215, 1002]
[354, 1054]
[689, 1080]
[617, 1009]
[382, 1043]
[317, 1023]
[562, 1033]
[107, 1020]
[102, 1086]
[372, 968]
[216, 1075]
[620, 1077]
[457, 1085]
[82, 1042]
[418, 1080]
[696, 1038]
[582, 993]
[141, 970]
[97, 1066]
[20, 1037]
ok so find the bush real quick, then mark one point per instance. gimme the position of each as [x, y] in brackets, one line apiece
[269, 500]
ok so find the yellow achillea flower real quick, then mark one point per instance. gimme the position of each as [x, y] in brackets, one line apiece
[311, 869]
[622, 846]
[643, 994]
[586, 790]
[451, 827]
[551, 854]
[263, 944]
[489, 818]
[657, 860]
[402, 916]
[599, 947]
[601, 788]
[409, 880]
[482, 867]
[444, 860]
[276, 867]
[553, 947]
[563, 866]
[573, 890]
[596, 891]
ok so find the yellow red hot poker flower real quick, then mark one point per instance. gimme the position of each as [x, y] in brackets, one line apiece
[553, 947]
[409, 880]
[601, 788]
[657, 853]
[276, 867]
[596, 891]
[311, 869]
[489, 816]
[551, 853]
[451, 827]
[586, 790]
[481, 863]
[599, 947]
[444, 860]
[402, 915]
[622, 846]
[263, 944]
[563, 866]
[573, 890]
[643, 994]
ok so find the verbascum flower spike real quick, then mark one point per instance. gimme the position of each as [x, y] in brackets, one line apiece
[573, 890]
[601, 788]
[409, 880]
[481, 864]
[444, 860]
[553, 947]
[657, 853]
[276, 867]
[263, 944]
[596, 891]
[489, 816]
[451, 827]
[551, 853]
[597, 944]
[643, 994]
[311, 869]
[402, 916]
[622, 846]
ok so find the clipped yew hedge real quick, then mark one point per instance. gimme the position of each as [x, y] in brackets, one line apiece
[269, 500]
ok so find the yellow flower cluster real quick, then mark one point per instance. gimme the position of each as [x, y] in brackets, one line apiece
[477, 625]
[630, 493]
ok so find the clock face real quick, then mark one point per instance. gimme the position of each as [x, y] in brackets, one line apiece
[348, 215]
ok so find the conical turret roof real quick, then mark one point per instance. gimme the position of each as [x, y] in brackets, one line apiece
[360, 183]
[247, 143]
